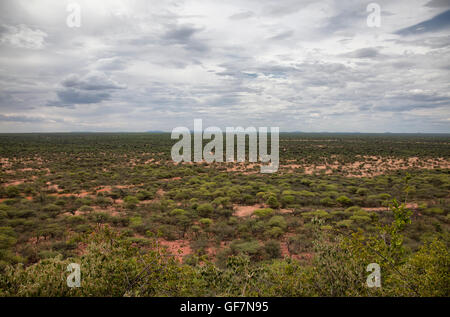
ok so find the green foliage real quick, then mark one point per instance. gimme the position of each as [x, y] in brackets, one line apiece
[251, 248]
[277, 221]
[433, 211]
[7, 241]
[12, 191]
[274, 232]
[205, 210]
[206, 222]
[316, 214]
[273, 249]
[344, 200]
[263, 213]
[272, 202]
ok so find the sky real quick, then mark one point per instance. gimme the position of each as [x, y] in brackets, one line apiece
[300, 65]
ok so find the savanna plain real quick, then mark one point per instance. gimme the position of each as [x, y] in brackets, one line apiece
[139, 224]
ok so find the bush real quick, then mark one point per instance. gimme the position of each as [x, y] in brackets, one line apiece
[178, 212]
[287, 200]
[251, 248]
[12, 191]
[131, 200]
[144, 195]
[206, 222]
[360, 219]
[327, 201]
[272, 248]
[272, 202]
[277, 221]
[433, 211]
[263, 213]
[205, 210]
[344, 200]
[316, 214]
[135, 222]
[346, 223]
[274, 232]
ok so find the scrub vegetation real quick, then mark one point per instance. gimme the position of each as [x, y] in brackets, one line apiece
[141, 225]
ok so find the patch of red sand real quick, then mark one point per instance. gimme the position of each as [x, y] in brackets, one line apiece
[244, 211]
[176, 248]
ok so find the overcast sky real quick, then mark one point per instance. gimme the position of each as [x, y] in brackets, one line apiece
[300, 65]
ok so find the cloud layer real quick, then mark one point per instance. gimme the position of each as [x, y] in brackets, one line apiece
[299, 65]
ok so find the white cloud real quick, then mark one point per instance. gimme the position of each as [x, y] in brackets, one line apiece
[22, 36]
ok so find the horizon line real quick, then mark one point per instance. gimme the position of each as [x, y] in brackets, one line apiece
[191, 131]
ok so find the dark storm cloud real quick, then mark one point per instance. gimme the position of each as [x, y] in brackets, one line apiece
[437, 23]
[73, 96]
[91, 88]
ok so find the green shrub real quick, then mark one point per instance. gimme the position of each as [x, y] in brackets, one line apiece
[360, 219]
[346, 223]
[205, 222]
[263, 213]
[344, 200]
[277, 221]
[12, 191]
[205, 210]
[272, 249]
[433, 211]
[272, 202]
[178, 212]
[316, 214]
[135, 222]
[274, 232]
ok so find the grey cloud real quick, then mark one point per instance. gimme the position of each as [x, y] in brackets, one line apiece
[404, 108]
[368, 52]
[184, 35]
[72, 96]
[111, 63]
[282, 35]
[91, 81]
[428, 41]
[410, 101]
[365, 107]
[284, 7]
[181, 34]
[91, 88]
[438, 4]
[241, 15]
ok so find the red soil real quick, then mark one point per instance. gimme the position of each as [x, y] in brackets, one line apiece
[176, 248]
